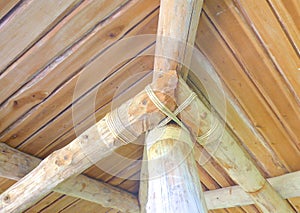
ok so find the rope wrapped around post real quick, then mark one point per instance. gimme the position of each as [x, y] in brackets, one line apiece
[119, 130]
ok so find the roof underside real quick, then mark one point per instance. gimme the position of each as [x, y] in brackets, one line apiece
[46, 48]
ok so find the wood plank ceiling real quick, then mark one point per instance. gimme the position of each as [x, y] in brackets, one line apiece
[46, 47]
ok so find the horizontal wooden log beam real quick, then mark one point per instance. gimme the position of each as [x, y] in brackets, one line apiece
[233, 157]
[139, 114]
[15, 164]
[288, 186]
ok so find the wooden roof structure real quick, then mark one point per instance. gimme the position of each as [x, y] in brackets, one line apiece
[57, 58]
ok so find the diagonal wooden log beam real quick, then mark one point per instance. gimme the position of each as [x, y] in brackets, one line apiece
[288, 186]
[173, 28]
[226, 150]
[141, 115]
[15, 164]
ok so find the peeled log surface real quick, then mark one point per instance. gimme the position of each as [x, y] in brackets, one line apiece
[15, 164]
[177, 26]
[173, 182]
[233, 158]
[139, 113]
[288, 186]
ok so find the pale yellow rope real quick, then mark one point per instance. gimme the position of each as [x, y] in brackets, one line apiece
[120, 132]
[173, 115]
[162, 107]
[118, 129]
[179, 109]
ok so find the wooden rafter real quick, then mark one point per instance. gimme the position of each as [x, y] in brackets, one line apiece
[80, 154]
[288, 186]
[15, 165]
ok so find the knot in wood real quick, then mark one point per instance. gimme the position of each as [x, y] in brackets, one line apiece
[64, 159]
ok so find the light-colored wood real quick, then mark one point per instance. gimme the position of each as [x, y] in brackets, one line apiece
[49, 48]
[288, 186]
[288, 14]
[143, 188]
[15, 164]
[173, 182]
[177, 24]
[260, 115]
[197, 8]
[28, 24]
[234, 159]
[176, 188]
[270, 82]
[63, 68]
[6, 6]
[44, 203]
[239, 123]
[259, 15]
[139, 113]
[43, 113]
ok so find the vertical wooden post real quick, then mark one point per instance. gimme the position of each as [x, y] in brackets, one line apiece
[173, 181]
[173, 184]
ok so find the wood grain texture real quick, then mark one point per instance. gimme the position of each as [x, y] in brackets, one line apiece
[61, 73]
[27, 25]
[6, 6]
[15, 165]
[240, 167]
[287, 186]
[68, 63]
[288, 15]
[172, 172]
[264, 23]
[83, 151]
[260, 115]
[35, 61]
[269, 82]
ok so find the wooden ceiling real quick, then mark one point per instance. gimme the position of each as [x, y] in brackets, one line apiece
[45, 48]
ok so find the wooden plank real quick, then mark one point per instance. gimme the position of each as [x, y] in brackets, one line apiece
[288, 14]
[91, 146]
[6, 6]
[288, 186]
[64, 95]
[270, 82]
[264, 23]
[60, 204]
[114, 164]
[44, 203]
[295, 202]
[213, 170]
[62, 37]
[15, 164]
[87, 206]
[5, 184]
[212, 45]
[29, 23]
[54, 44]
